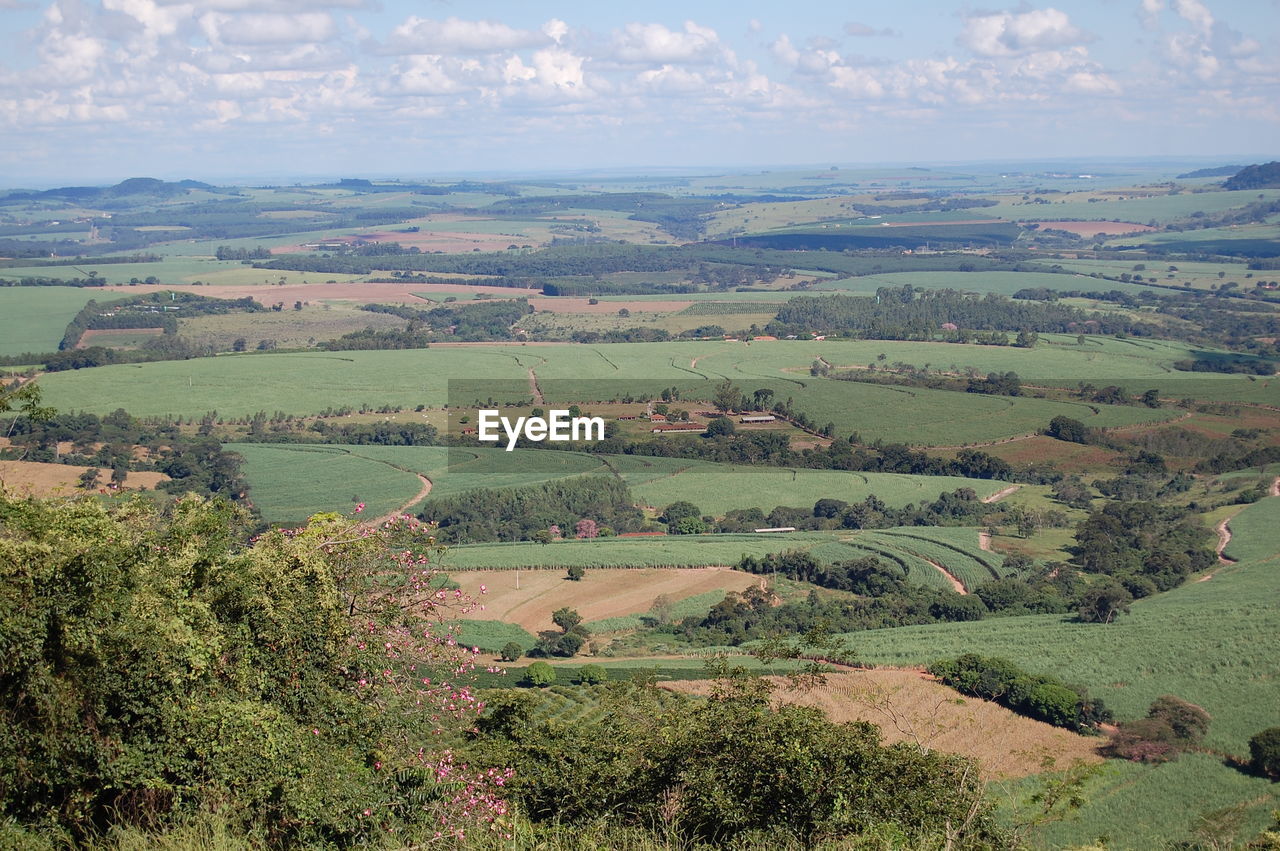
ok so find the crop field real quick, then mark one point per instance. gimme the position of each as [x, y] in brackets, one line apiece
[290, 483]
[491, 636]
[527, 598]
[37, 478]
[294, 481]
[1253, 534]
[912, 548]
[288, 328]
[908, 707]
[719, 488]
[1215, 643]
[33, 319]
[677, 610]
[302, 383]
[565, 324]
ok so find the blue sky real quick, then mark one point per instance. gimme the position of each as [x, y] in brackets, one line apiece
[223, 89]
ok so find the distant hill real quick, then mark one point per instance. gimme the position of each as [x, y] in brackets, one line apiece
[134, 186]
[1216, 171]
[1264, 176]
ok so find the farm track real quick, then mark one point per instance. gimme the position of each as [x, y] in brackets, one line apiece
[1224, 533]
[535, 389]
[984, 542]
[404, 509]
[999, 495]
[955, 583]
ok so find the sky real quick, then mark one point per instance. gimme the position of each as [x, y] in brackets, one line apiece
[99, 90]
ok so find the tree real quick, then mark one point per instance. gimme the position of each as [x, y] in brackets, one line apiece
[726, 397]
[1067, 429]
[1103, 603]
[590, 675]
[540, 674]
[721, 427]
[511, 651]
[586, 528]
[88, 479]
[566, 618]
[576, 572]
[761, 398]
[689, 526]
[1264, 752]
[678, 511]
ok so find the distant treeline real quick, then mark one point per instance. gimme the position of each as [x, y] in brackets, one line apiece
[905, 313]
[149, 310]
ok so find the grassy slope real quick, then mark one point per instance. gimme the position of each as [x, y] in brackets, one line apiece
[1216, 643]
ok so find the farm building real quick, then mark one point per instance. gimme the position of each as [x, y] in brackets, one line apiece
[777, 529]
[657, 418]
[666, 428]
[758, 418]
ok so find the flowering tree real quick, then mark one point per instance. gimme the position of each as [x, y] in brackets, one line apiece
[586, 528]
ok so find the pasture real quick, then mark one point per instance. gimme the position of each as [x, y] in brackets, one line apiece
[1126, 207]
[1001, 283]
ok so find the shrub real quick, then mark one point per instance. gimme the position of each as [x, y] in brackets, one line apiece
[590, 675]
[1034, 695]
[576, 572]
[540, 674]
[511, 651]
[1172, 726]
[1264, 752]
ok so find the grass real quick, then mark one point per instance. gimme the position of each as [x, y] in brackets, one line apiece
[1253, 532]
[33, 319]
[492, 636]
[1161, 208]
[1001, 283]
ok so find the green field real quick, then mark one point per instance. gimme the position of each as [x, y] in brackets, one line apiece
[33, 319]
[302, 383]
[910, 548]
[1161, 209]
[719, 488]
[1215, 643]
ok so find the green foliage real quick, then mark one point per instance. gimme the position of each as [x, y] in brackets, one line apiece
[590, 675]
[746, 773]
[541, 674]
[1264, 752]
[511, 651]
[1172, 726]
[1038, 696]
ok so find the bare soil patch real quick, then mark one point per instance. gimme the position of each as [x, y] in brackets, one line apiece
[37, 478]
[910, 706]
[601, 593]
[1091, 228]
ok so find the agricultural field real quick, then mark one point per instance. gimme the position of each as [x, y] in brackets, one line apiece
[1001, 283]
[286, 329]
[309, 382]
[910, 707]
[1161, 209]
[35, 478]
[719, 488]
[528, 597]
[33, 319]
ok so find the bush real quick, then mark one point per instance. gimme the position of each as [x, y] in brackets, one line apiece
[576, 572]
[590, 675]
[511, 651]
[1172, 726]
[1264, 752]
[1034, 695]
[540, 674]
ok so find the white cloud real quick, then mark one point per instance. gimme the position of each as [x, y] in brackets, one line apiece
[1195, 13]
[454, 35]
[654, 43]
[267, 28]
[857, 29]
[1014, 33]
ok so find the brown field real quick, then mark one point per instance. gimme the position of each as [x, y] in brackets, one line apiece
[1091, 228]
[356, 292]
[601, 593]
[40, 479]
[909, 706]
[1068, 457]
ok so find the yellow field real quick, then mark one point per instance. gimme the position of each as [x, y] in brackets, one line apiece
[36, 478]
[908, 706]
[600, 594]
